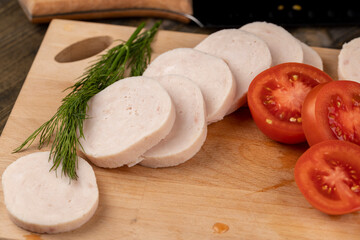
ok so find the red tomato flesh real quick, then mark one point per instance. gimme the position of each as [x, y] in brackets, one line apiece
[328, 175]
[332, 111]
[276, 96]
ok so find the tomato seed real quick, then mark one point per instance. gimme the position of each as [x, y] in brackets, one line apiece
[282, 115]
[269, 89]
[268, 121]
[356, 102]
[331, 116]
[292, 119]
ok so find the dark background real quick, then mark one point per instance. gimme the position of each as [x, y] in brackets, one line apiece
[20, 41]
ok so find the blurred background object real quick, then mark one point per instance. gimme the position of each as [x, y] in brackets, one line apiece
[45, 10]
[222, 14]
[20, 38]
[282, 12]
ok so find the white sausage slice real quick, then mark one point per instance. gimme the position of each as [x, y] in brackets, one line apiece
[190, 128]
[210, 73]
[125, 120]
[283, 46]
[246, 55]
[45, 202]
[349, 61]
[311, 57]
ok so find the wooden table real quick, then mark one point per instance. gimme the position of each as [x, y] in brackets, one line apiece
[20, 40]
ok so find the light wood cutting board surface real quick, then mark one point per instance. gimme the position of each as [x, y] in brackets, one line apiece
[239, 178]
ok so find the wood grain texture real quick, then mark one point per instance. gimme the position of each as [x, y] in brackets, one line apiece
[239, 178]
[45, 10]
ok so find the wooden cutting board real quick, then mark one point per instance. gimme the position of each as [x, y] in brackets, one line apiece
[239, 178]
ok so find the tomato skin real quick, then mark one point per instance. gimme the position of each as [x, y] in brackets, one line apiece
[315, 113]
[316, 163]
[313, 134]
[273, 127]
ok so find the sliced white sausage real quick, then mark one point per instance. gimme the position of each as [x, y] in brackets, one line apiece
[349, 61]
[210, 73]
[125, 120]
[189, 131]
[44, 201]
[311, 57]
[246, 54]
[283, 46]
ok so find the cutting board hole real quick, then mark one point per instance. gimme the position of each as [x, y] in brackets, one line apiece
[83, 49]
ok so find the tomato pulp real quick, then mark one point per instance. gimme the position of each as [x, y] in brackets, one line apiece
[275, 98]
[328, 175]
[332, 111]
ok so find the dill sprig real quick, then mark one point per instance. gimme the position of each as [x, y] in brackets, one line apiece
[67, 124]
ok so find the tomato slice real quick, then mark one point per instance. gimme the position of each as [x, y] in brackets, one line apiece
[275, 98]
[332, 111]
[328, 175]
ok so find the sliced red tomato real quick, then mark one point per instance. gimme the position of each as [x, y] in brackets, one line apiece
[332, 111]
[328, 175]
[276, 96]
